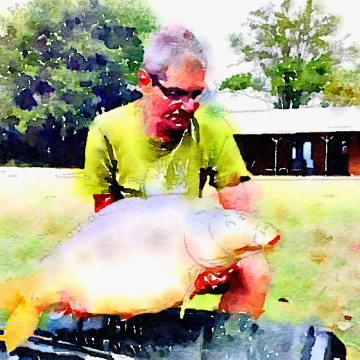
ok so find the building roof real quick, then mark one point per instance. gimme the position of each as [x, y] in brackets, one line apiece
[303, 120]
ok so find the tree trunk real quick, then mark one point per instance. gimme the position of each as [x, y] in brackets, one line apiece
[286, 95]
[296, 100]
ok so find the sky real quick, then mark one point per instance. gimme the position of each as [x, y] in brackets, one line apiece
[213, 20]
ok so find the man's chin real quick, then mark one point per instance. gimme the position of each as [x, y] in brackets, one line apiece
[178, 119]
[176, 126]
[180, 124]
[169, 138]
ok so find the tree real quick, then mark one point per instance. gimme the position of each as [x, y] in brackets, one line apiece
[290, 52]
[62, 63]
[344, 88]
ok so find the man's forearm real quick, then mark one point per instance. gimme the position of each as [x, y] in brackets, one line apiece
[240, 197]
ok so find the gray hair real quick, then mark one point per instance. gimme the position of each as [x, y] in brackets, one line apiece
[166, 49]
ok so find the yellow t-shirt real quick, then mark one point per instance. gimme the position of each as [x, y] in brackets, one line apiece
[120, 159]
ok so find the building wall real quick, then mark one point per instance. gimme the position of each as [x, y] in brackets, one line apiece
[318, 154]
[259, 153]
[284, 155]
[353, 149]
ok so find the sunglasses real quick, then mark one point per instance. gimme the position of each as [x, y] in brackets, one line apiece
[175, 93]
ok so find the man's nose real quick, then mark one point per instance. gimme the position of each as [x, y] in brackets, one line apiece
[190, 105]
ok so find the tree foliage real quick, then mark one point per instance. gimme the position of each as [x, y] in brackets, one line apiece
[344, 89]
[241, 82]
[290, 50]
[62, 62]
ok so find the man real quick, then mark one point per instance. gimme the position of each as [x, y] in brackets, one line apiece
[158, 145]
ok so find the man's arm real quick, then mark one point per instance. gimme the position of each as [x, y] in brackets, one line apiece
[229, 173]
[224, 167]
[101, 168]
[234, 190]
[230, 166]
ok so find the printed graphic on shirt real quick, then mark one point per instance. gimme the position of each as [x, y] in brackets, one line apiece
[157, 181]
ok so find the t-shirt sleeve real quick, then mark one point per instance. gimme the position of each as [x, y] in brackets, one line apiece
[221, 150]
[100, 163]
[230, 167]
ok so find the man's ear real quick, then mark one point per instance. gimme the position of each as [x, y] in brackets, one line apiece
[144, 78]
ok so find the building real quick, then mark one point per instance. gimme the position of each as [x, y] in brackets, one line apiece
[305, 141]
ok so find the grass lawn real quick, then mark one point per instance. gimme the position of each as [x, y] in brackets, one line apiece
[315, 265]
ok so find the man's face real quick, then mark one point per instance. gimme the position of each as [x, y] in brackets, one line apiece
[171, 104]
